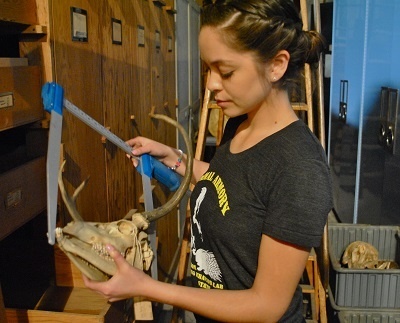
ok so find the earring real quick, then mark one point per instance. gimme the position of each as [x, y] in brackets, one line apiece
[274, 79]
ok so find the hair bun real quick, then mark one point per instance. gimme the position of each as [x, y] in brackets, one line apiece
[316, 45]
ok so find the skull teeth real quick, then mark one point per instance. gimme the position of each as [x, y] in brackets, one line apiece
[102, 252]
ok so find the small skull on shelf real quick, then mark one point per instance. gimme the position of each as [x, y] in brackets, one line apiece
[360, 255]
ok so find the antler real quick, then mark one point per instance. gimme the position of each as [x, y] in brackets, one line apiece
[155, 214]
[181, 191]
[70, 202]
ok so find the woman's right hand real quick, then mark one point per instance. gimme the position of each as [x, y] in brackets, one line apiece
[167, 155]
[142, 145]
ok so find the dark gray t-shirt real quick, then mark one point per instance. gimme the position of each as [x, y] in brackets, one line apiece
[280, 187]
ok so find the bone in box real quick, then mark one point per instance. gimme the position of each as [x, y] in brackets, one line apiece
[365, 288]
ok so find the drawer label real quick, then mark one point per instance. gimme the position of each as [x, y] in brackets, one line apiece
[6, 100]
[13, 198]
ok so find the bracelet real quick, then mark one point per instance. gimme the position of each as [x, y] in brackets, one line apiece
[178, 162]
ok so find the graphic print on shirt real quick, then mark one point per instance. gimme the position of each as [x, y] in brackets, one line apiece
[220, 189]
[204, 266]
[205, 260]
[196, 211]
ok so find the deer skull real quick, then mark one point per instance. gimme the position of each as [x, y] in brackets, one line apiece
[84, 242]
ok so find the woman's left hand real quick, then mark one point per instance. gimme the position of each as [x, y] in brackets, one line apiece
[127, 282]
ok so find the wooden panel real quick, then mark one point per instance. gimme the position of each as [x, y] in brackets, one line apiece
[66, 272]
[22, 195]
[117, 85]
[71, 300]
[23, 11]
[120, 93]
[45, 50]
[170, 4]
[77, 68]
[142, 80]
[39, 52]
[23, 84]
[163, 100]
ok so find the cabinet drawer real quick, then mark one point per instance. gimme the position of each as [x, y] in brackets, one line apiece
[67, 302]
[23, 11]
[20, 101]
[22, 195]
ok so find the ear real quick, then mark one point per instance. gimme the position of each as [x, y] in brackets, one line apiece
[279, 65]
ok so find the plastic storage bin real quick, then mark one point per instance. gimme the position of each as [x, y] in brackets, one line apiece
[362, 315]
[365, 288]
[368, 317]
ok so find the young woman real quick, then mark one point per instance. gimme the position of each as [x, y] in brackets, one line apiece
[261, 204]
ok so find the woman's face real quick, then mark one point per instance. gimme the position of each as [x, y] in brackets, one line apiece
[234, 76]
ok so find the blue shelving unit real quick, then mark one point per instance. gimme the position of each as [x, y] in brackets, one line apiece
[365, 58]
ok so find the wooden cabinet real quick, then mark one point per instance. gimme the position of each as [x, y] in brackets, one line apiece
[21, 11]
[20, 101]
[116, 83]
[22, 139]
[23, 191]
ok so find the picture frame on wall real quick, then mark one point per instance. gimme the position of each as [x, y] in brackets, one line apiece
[116, 25]
[79, 28]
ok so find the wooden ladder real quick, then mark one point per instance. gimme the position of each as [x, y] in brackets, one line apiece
[316, 282]
[314, 286]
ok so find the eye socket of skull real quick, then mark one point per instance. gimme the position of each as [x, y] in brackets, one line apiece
[126, 227]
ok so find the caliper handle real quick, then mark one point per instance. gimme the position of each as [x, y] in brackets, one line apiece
[53, 97]
[153, 168]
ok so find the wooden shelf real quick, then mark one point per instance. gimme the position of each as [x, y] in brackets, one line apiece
[24, 32]
[22, 11]
[35, 30]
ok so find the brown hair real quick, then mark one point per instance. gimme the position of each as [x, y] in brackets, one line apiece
[265, 27]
